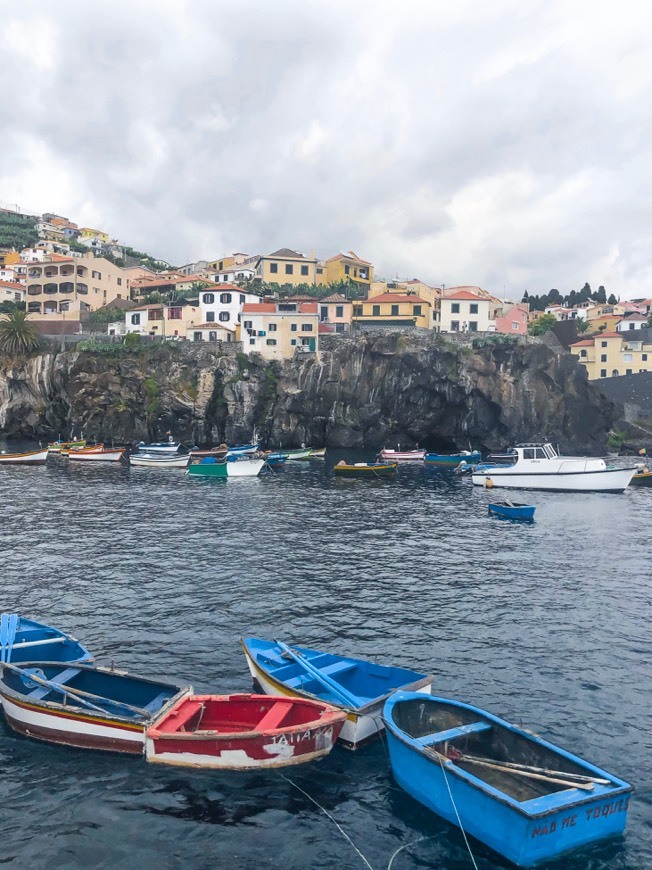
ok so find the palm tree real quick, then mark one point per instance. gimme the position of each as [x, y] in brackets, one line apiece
[18, 334]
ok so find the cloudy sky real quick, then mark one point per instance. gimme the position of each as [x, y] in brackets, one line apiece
[501, 143]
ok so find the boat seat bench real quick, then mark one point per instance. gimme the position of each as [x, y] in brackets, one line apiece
[60, 679]
[327, 670]
[274, 716]
[452, 733]
[177, 719]
[155, 704]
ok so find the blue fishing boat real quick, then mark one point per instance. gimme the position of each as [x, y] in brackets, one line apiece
[511, 511]
[81, 705]
[452, 460]
[525, 798]
[24, 639]
[164, 447]
[357, 686]
[276, 459]
[242, 450]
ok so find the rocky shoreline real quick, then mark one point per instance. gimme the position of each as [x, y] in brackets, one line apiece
[365, 391]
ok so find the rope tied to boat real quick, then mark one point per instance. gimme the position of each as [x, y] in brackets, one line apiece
[457, 815]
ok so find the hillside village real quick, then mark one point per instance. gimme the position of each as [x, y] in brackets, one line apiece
[73, 279]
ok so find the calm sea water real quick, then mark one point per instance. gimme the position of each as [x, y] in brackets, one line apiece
[548, 625]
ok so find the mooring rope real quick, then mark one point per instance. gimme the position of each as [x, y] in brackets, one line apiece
[333, 820]
[457, 815]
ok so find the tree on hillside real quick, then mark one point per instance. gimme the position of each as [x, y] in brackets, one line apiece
[612, 300]
[18, 335]
[582, 324]
[542, 324]
[97, 320]
[601, 296]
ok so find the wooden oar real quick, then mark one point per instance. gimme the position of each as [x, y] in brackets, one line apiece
[516, 766]
[77, 693]
[585, 786]
[8, 626]
[13, 628]
[340, 691]
[25, 643]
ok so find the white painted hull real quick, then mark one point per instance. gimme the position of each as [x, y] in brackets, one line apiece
[108, 456]
[606, 480]
[403, 456]
[358, 729]
[159, 461]
[164, 450]
[36, 457]
[244, 467]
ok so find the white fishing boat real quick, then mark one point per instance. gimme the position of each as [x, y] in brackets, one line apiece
[402, 455]
[539, 466]
[158, 460]
[33, 457]
[168, 446]
[96, 455]
[245, 467]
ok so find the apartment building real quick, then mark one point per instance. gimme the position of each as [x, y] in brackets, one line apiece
[223, 304]
[280, 329]
[396, 310]
[611, 354]
[287, 267]
[73, 284]
[173, 320]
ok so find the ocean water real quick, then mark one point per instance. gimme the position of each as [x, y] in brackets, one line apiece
[546, 624]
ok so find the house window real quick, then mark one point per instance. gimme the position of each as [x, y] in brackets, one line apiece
[614, 373]
[583, 353]
[97, 275]
[417, 311]
[632, 326]
[644, 357]
[119, 282]
[473, 325]
[210, 317]
[455, 326]
[394, 310]
[347, 270]
[628, 371]
[293, 341]
[305, 342]
[247, 324]
[209, 298]
[514, 324]
[225, 298]
[627, 357]
[603, 344]
[320, 271]
[273, 267]
[272, 327]
[603, 357]
[306, 327]
[174, 314]
[603, 373]
[242, 299]
[357, 310]
[252, 341]
[339, 311]
[198, 336]
[289, 269]
[376, 311]
[455, 307]
[323, 313]
[271, 341]
[304, 270]
[473, 308]
[293, 327]
[225, 316]
[135, 319]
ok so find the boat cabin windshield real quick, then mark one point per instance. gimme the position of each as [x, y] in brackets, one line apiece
[538, 451]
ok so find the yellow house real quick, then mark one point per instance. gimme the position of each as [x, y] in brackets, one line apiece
[175, 320]
[348, 267]
[286, 267]
[221, 265]
[88, 233]
[610, 354]
[280, 329]
[9, 257]
[401, 310]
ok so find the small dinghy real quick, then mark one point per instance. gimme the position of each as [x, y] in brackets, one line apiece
[31, 457]
[164, 447]
[59, 445]
[82, 705]
[642, 477]
[159, 460]
[209, 466]
[510, 510]
[356, 686]
[402, 455]
[365, 469]
[23, 640]
[452, 460]
[103, 455]
[525, 798]
[243, 732]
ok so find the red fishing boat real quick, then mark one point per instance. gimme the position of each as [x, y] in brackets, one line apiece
[241, 732]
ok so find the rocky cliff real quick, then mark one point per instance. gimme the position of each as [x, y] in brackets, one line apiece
[365, 391]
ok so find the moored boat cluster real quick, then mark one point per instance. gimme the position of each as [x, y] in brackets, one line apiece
[522, 796]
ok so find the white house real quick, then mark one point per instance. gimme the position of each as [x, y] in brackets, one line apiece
[212, 332]
[464, 311]
[235, 273]
[223, 305]
[33, 255]
[631, 322]
[11, 291]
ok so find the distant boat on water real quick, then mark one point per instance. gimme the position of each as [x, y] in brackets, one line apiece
[31, 457]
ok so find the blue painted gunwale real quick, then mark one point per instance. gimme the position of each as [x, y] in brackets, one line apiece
[452, 458]
[366, 681]
[521, 831]
[67, 650]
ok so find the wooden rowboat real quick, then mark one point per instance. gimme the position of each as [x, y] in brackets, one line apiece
[512, 511]
[159, 460]
[525, 798]
[104, 455]
[452, 460]
[356, 686]
[57, 446]
[402, 455]
[32, 457]
[208, 467]
[642, 478]
[243, 732]
[94, 448]
[23, 639]
[365, 469]
[82, 705]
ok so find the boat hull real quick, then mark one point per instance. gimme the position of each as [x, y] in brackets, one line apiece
[32, 457]
[360, 727]
[642, 479]
[299, 455]
[605, 480]
[248, 750]
[208, 469]
[517, 512]
[96, 456]
[159, 461]
[369, 471]
[452, 460]
[525, 833]
[35, 639]
[164, 449]
[403, 455]
[244, 467]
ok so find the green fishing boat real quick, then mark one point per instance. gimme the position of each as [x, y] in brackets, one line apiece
[208, 467]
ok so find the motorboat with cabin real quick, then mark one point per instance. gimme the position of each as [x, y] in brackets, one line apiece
[539, 466]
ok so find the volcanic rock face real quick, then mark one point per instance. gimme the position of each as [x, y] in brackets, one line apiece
[365, 391]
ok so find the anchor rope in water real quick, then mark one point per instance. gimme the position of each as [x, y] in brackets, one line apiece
[333, 820]
[407, 846]
[457, 815]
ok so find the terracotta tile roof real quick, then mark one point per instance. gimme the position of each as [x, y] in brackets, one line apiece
[348, 255]
[214, 325]
[609, 335]
[12, 284]
[308, 308]
[286, 253]
[586, 342]
[59, 258]
[336, 297]
[465, 294]
[397, 297]
[259, 308]
[299, 298]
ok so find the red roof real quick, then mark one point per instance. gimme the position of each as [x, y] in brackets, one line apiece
[609, 334]
[12, 284]
[259, 308]
[465, 294]
[586, 342]
[59, 258]
[397, 297]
